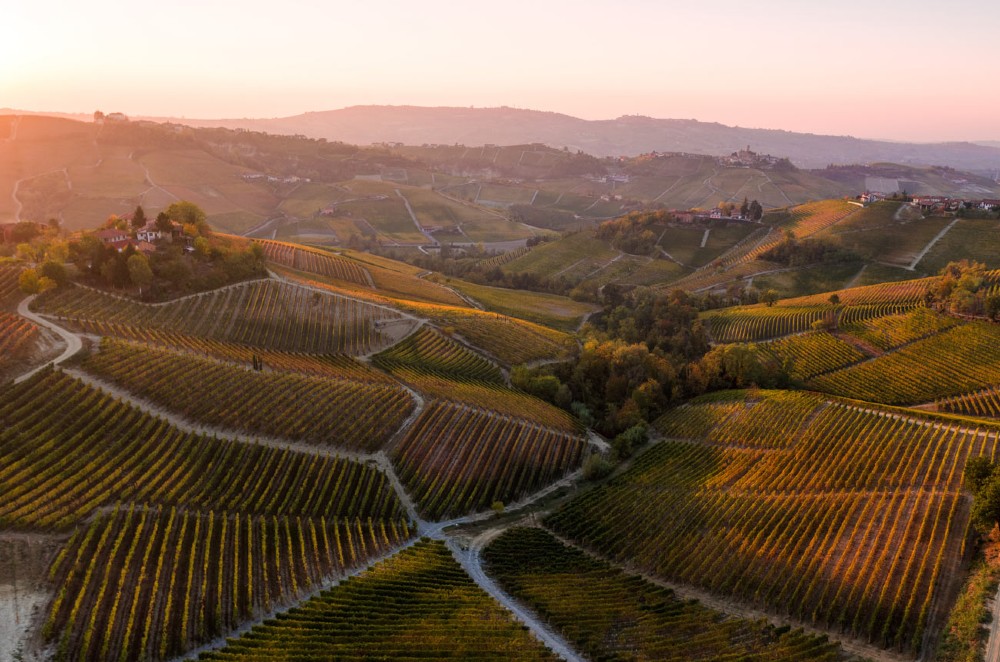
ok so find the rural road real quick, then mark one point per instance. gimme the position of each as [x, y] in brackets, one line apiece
[930, 245]
[73, 342]
[471, 561]
[992, 653]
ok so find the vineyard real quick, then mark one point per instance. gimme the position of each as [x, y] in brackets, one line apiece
[504, 258]
[153, 583]
[907, 291]
[959, 360]
[242, 455]
[10, 291]
[418, 604]
[984, 403]
[753, 323]
[333, 366]
[608, 614]
[812, 354]
[894, 331]
[16, 336]
[456, 460]
[442, 368]
[266, 313]
[315, 261]
[761, 323]
[846, 519]
[508, 339]
[812, 217]
[67, 449]
[428, 351]
[317, 410]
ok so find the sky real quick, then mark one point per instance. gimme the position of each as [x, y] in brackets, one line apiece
[889, 69]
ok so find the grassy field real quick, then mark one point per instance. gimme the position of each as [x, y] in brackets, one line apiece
[572, 257]
[308, 199]
[809, 280]
[549, 309]
[968, 239]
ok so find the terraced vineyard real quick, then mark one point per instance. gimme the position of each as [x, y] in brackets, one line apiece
[456, 460]
[813, 217]
[761, 323]
[10, 291]
[430, 352]
[67, 449]
[268, 314]
[317, 410]
[811, 354]
[894, 331]
[504, 258]
[608, 614]
[315, 261]
[16, 336]
[151, 584]
[985, 403]
[959, 360]
[510, 340]
[334, 366]
[442, 368]
[907, 291]
[753, 323]
[854, 521]
[417, 605]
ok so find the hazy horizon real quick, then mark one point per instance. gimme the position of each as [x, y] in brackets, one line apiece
[889, 72]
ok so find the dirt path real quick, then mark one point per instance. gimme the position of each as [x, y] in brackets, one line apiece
[704, 237]
[864, 347]
[73, 342]
[992, 653]
[470, 559]
[152, 185]
[930, 245]
[313, 592]
[413, 217]
[856, 278]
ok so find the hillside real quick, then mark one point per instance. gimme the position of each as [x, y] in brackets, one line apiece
[358, 442]
[337, 194]
[628, 135]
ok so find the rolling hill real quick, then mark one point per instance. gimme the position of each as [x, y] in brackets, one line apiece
[627, 135]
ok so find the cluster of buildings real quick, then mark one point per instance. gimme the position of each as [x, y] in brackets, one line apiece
[144, 240]
[745, 158]
[939, 203]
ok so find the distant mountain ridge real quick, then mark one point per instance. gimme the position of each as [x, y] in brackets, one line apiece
[625, 136]
[628, 135]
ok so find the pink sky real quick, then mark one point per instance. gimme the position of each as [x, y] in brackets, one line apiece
[875, 71]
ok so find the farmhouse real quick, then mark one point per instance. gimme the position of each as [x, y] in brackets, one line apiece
[111, 236]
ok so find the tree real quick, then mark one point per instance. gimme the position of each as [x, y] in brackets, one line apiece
[138, 217]
[163, 223]
[31, 283]
[769, 296]
[834, 299]
[188, 213]
[27, 252]
[98, 116]
[54, 271]
[139, 271]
